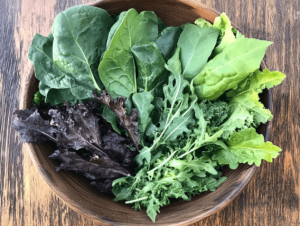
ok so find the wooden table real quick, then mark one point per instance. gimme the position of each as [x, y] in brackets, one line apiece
[271, 198]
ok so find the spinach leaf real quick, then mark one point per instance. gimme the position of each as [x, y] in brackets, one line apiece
[196, 46]
[231, 66]
[160, 25]
[40, 54]
[54, 85]
[57, 96]
[114, 28]
[167, 41]
[152, 74]
[117, 69]
[155, 114]
[80, 35]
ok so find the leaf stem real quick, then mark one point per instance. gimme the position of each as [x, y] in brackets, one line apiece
[136, 200]
[164, 162]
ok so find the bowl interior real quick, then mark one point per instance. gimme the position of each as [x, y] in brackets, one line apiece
[76, 191]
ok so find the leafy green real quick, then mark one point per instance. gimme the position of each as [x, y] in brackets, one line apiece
[196, 46]
[111, 117]
[231, 66]
[79, 41]
[201, 22]
[54, 85]
[178, 180]
[152, 74]
[167, 41]
[114, 28]
[257, 81]
[38, 98]
[247, 147]
[250, 101]
[160, 25]
[142, 102]
[117, 69]
[226, 37]
[239, 118]
[190, 116]
[40, 54]
[176, 115]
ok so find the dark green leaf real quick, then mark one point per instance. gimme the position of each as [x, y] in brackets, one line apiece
[152, 74]
[167, 41]
[79, 41]
[117, 69]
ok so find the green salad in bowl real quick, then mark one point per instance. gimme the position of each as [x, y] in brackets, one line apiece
[146, 111]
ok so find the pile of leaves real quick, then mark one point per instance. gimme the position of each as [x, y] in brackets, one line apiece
[86, 142]
[193, 89]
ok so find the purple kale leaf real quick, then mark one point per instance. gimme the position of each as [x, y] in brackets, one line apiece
[95, 169]
[78, 128]
[32, 127]
[87, 143]
[127, 121]
[104, 186]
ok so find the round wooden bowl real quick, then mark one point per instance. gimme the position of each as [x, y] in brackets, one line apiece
[85, 199]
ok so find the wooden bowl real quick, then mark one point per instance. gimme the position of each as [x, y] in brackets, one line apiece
[85, 199]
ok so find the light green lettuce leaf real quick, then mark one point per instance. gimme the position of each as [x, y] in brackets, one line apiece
[239, 118]
[230, 67]
[250, 101]
[257, 82]
[201, 22]
[247, 147]
[223, 24]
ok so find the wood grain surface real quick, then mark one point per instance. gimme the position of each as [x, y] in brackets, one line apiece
[271, 198]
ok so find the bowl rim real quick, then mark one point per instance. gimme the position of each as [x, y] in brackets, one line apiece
[83, 210]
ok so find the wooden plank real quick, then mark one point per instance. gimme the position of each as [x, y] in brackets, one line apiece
[271, 198]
